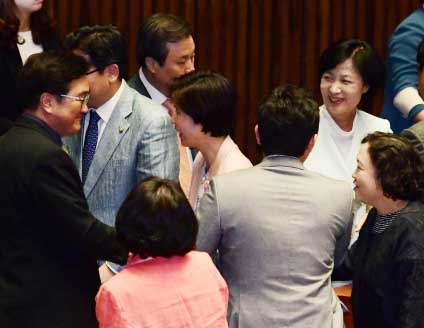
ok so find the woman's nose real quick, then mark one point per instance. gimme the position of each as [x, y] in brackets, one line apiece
[334, 87]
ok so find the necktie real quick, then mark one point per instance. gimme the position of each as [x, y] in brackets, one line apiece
[185, 168]
[90, 143]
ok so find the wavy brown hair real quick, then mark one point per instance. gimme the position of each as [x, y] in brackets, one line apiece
[42, 26]
[398, 166]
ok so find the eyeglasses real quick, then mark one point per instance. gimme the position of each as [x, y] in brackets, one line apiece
[92, 71]
[83, 100]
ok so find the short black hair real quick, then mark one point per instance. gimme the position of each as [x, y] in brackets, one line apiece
[156, 219]
[50, 72]
[156, 32]
[364, 58]
[399, 168]
[420, 55]
[104, 45]
[208, 98]
[287, 120]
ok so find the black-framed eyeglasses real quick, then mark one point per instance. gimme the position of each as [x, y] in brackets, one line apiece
[92, 71]
[83, 100]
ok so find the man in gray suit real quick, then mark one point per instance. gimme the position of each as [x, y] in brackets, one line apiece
[125, 137]
[278, 227]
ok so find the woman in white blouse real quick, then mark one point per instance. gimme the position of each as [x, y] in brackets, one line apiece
[350, 71]
[206, 105]
[25, 29]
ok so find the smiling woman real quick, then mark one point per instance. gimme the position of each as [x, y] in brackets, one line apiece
[387, 261]
[206, 108]
[350, 70]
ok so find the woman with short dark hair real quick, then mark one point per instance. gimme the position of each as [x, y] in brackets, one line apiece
[387, 260]
[350, 71]
[206, 107]
[166, 282]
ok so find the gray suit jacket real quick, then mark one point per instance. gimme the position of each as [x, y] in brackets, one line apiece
[279, 230]
[139, 141]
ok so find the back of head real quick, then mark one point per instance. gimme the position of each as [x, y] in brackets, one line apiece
[209, 99]
[156, 32]
[104, 45]
[156, 219]
[364, 58]
[50, 72]
[398, 166]
[287, 120]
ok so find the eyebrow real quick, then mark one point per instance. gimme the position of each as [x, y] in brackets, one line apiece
[83, 93]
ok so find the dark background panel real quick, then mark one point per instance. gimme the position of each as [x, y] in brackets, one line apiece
[258, 44]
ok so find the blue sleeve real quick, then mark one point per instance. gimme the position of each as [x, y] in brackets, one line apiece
[402, 52]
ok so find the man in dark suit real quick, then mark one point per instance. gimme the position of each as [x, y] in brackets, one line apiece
[49, 241]
[165, 50]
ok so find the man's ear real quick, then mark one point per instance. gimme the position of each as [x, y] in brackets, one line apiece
[112, 72]
[47, 102]
[258, 137]
[151, 64]
[309, 148]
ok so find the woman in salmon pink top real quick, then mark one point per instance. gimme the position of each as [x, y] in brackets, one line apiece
[166, 283]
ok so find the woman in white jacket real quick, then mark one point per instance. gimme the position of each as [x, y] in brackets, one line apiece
[350, 70]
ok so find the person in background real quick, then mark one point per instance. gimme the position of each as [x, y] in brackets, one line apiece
[25, 29]
[415, 133]
[403, 104]
[350, 71]
[49, 241]
[165, 50]
[125, 137]
[205, 114]
[166, 283]
[278, 227]
[387, 261]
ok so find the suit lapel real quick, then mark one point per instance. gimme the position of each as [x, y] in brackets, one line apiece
[139, 86]
[112, 135]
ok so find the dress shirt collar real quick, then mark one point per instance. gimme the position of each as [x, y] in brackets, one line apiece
[105, 110]
[282, 160]
[156, 95]
[53, 134]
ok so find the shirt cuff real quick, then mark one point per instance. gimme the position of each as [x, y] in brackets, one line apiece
[414, 111]
[406, 99]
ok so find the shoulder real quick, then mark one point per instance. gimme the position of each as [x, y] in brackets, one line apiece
[409, 229]
[144, 106]
[329, 184]
[410, 30]
[372, 122]
[232, 158]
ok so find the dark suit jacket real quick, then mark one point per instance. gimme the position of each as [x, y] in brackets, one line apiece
[138, 85]
[49, 241]
[10, 65]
